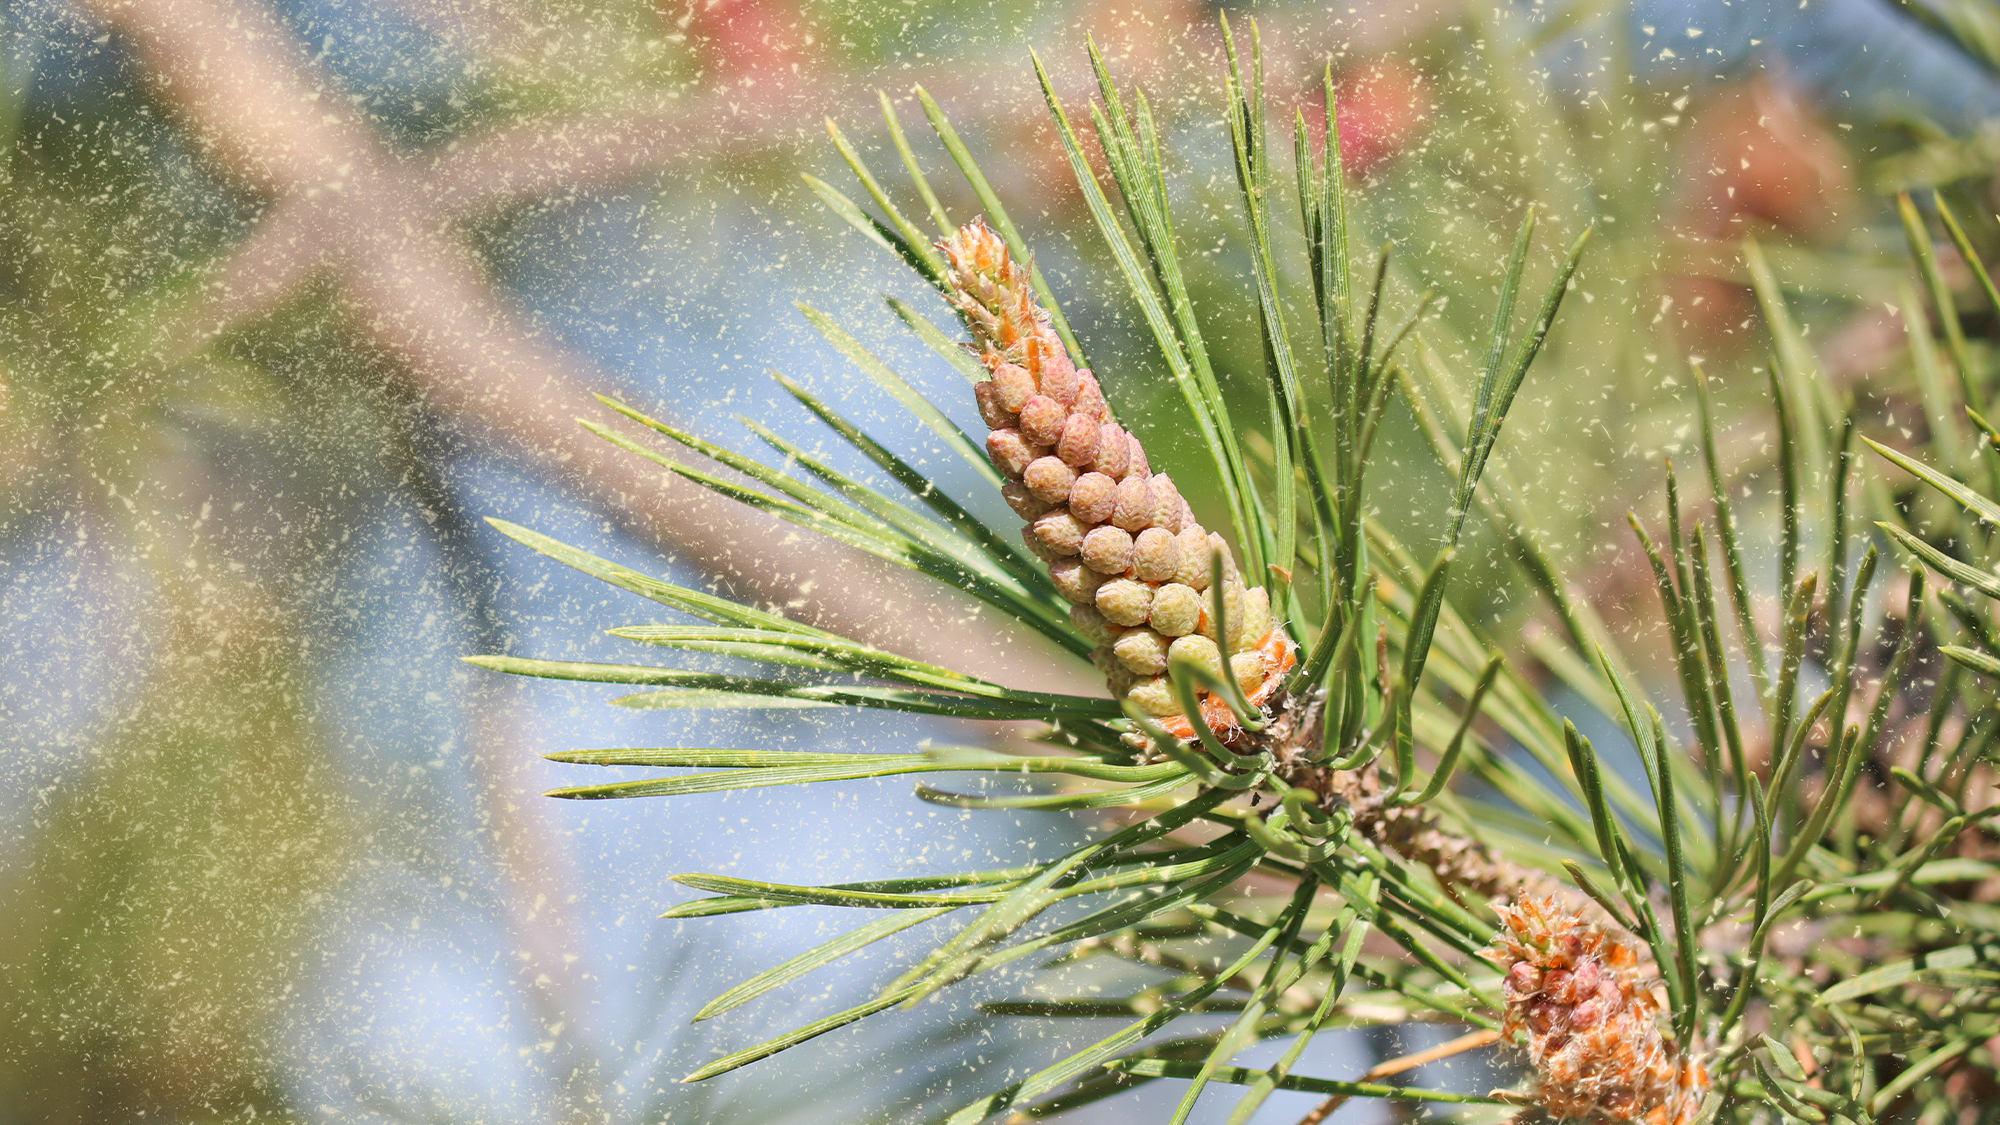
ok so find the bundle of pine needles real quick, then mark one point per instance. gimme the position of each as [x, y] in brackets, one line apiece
[1274, 688]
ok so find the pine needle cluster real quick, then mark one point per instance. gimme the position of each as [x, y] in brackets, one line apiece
[1784, 917]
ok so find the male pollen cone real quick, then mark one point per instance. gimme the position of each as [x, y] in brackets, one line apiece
[1119, 541]
[1593, 1023]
